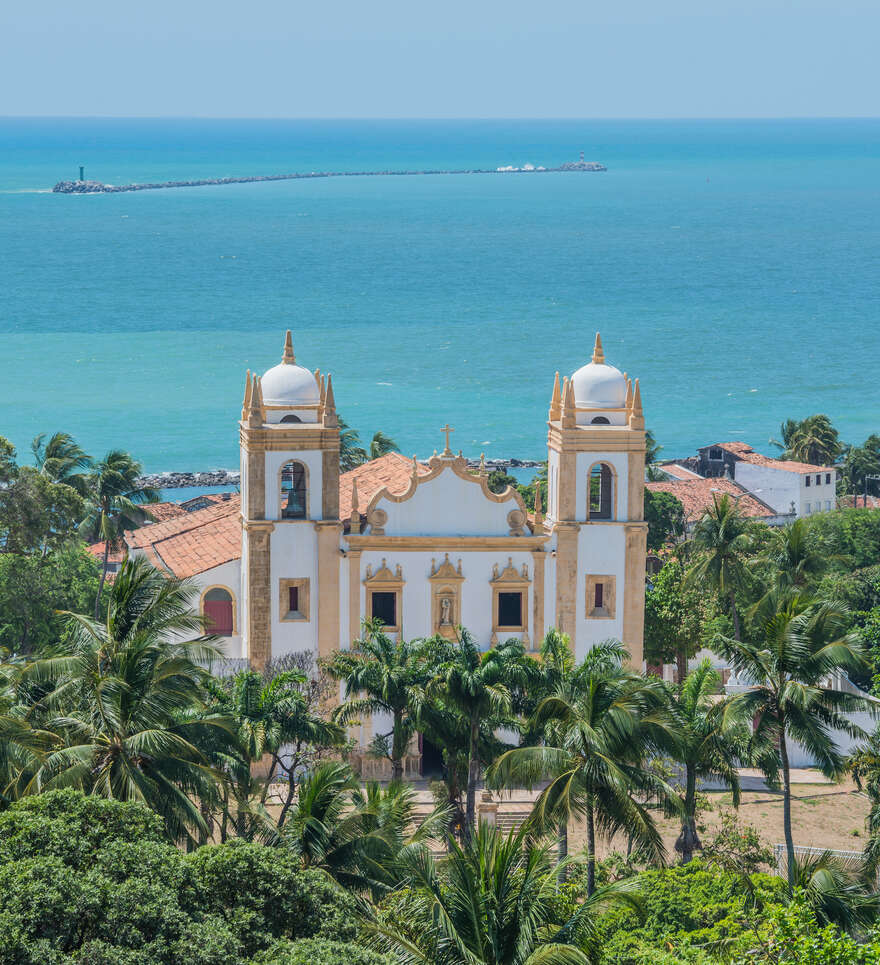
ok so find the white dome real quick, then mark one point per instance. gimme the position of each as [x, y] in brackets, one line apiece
[598, 385]
[289, 385]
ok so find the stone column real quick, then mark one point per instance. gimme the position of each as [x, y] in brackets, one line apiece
[538, 558]
[329, 560]
[354, 595]
[259, 591]
[566, 578]
[634, 592]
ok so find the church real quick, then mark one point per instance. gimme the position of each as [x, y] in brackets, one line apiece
[304, 555]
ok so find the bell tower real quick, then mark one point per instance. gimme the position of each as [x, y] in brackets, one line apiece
[596, 480]
[289, 441]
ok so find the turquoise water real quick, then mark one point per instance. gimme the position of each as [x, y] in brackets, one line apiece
[732, 266]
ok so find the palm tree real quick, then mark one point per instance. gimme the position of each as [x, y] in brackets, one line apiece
[795, 556]
[477, 687]
[115, 505]
[494, 901]
[381, 445]
[720, 539]
[813, 440]
[270, 716]
[709, 745]
[382, 675]
[603, 723]
[838, 890]
[652, 449]
[128, 701]
[802, 645]
[62, 460]
[351, 453]
[356, 835]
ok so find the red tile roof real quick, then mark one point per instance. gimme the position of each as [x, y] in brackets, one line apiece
[115, 555]
[194, 542]
[162, 511]
[677, 472]
[744, 451]
[698, 494]
[392, 471]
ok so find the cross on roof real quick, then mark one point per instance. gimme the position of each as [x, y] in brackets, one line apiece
[447, 429]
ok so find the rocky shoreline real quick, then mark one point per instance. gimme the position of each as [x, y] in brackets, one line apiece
[232, 477]
[98, 187]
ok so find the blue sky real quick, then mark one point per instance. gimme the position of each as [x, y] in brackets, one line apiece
[483, 58]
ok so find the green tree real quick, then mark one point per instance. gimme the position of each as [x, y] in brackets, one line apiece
[36, 514]
[710, 743]
[664, 514]
[720, 540]
[801, 645]
[498, 480]
[34, 588]
[603, 723]
[813, 440]
[796, 556]
[860, 462]
[652, 449]
[62, 460]
[128, 702]
[494, 901]
[115, 505]
[477, 687]
[676, 612]
[382, 675]
[381, 445]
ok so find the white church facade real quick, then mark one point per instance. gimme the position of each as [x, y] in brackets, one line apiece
[306, 554]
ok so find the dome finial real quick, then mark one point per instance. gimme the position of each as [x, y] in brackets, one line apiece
[598, 354]
[555, 401]
[355, 522]
[288, 358]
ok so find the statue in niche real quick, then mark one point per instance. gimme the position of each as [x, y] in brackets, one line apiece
[446, 612]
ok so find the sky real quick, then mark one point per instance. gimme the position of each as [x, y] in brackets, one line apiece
[459, 58]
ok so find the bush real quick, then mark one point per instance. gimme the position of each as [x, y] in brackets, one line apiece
[94, 881]
[318, 951]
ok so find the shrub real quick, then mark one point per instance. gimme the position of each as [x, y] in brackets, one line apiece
[319, 951]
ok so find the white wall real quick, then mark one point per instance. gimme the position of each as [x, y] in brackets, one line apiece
[448, 506]
[294, 555]
[228, 576]
[775, 487]
[601, 552]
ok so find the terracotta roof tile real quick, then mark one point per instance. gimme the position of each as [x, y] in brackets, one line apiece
[744, 451]
[147, 535]
[162, 511]
[115, 555]
[697, 495]
[678, 472]
[392, 471]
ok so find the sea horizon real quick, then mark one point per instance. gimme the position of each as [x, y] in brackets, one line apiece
[730, 264]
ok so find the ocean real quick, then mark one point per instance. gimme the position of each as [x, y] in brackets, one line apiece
[733, 266]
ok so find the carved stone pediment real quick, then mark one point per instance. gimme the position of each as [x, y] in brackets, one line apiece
[384, 576]
[510, 574]
[445, 571]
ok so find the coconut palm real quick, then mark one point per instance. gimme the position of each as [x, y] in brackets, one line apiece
[493, 901]
[795, 556]
[478, 688]
[128, 702]
[62, 460]
[813, 440]
[351, 453]
[802, 646]
[839, 891]
[382, 675]
[709, 745]
[381, 445]
[602, 724]
[115, 505]
[720, 539]
[354, 834]
[865, 767]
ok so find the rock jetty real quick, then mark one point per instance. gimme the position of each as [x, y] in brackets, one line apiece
[230, 477]
[98, 187]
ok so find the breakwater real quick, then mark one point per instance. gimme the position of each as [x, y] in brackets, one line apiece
[98, 187]
[232, 477]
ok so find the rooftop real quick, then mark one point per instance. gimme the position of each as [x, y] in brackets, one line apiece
[742, 450]
[698, 494]
[392, 471]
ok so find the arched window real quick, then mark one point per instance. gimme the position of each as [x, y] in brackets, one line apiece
[218, 611]
[293, 491]
[601, 494]
[291, 418]
[600, 420]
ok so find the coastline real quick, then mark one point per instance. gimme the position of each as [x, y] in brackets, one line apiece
[232, 477]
